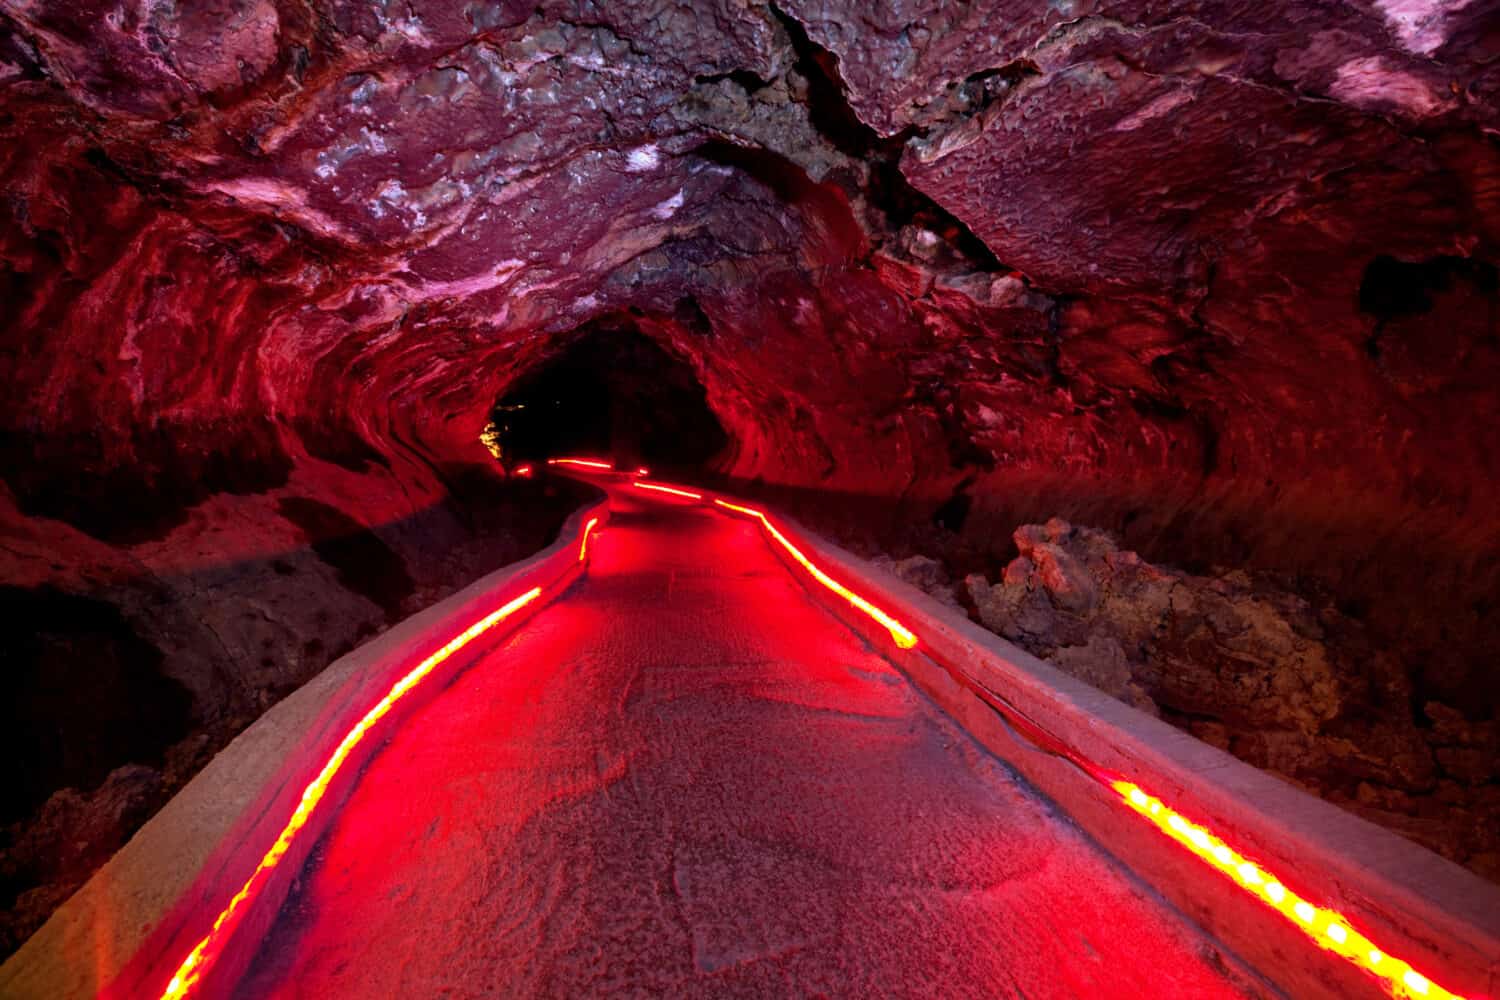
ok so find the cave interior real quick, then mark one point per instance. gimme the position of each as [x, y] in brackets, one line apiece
[1161, 338]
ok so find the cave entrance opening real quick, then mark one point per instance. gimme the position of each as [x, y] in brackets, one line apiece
[611, 390]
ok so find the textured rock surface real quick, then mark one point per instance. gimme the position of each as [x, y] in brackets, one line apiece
[921, 571]
[1219, 276]
[72, 835]
[159, 652]
[1257, 671]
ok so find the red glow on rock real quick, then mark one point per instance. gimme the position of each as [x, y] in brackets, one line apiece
[190, 973]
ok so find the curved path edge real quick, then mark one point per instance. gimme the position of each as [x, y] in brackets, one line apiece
[1437, 915]
[139, 916]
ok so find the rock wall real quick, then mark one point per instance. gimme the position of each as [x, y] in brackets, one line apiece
[1289, 685]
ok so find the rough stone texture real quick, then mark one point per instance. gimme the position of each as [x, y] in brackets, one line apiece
[1220, 276]
[72, 835]
[921, 571]
[1259, 672]
[158, 653]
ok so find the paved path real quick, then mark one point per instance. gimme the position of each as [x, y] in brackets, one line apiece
[687, 779]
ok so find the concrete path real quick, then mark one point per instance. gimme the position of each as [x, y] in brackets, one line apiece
[687, 779]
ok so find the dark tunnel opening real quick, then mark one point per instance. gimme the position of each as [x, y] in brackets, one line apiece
[612, 391]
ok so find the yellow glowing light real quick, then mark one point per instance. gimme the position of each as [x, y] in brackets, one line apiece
[903, 636]
[669, 489]
[490, 438]
[583, 546]
[190, 973]
[1337, 935]
[586, 463]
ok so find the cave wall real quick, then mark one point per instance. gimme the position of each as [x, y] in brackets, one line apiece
[1217, 276]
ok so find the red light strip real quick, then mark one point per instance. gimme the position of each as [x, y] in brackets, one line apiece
[587, 463]
[903, 636]
[643, 471]
[190, 973]
[523, 471]
[1328, 929]
[583, 546]
[668, 489]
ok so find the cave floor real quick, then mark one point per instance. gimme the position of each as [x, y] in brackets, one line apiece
[686, 778]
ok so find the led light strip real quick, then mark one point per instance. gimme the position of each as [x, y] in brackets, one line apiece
[587, 463]
[592, 463]
[190, 973]
[903, 636]
[583, 546]
[1327, 928]
[668, 489]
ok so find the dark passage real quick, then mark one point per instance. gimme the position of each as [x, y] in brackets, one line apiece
[612, 390]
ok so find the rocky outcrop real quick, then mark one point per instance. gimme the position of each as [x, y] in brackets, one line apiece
[922, 572]
[1279, 681]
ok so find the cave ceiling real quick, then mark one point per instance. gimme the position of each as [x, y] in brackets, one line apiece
[1116, 257]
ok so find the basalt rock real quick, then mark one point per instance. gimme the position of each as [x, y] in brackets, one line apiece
[73, 834]
[922, 572]
[1258, 671]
